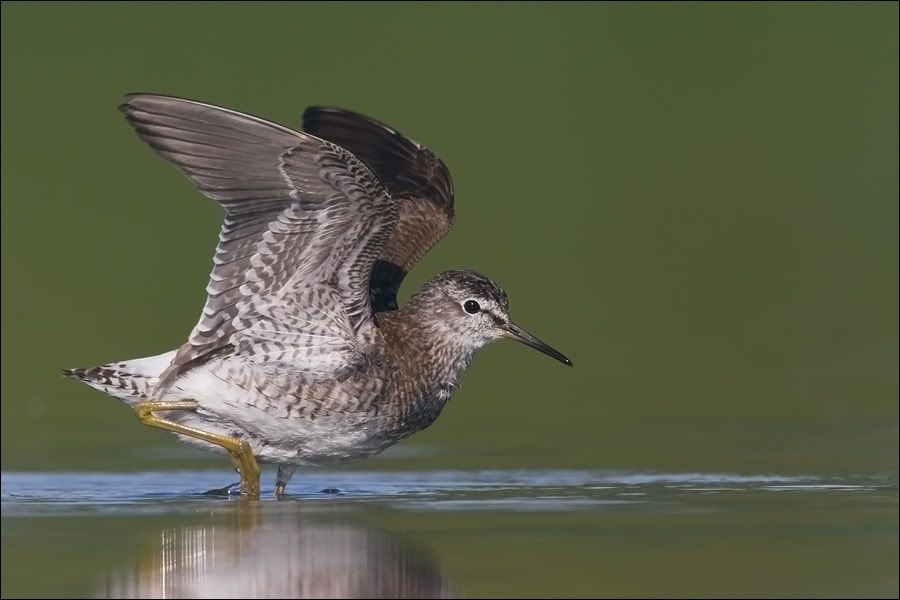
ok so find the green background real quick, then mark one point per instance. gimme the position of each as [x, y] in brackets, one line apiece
[696, 202]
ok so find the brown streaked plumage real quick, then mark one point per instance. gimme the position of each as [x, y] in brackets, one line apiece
[288, 362]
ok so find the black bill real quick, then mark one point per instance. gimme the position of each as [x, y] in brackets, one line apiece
[517, 333]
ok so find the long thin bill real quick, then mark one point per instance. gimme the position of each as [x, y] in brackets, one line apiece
[519, 334]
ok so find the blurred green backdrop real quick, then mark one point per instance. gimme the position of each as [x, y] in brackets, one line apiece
[696, 202]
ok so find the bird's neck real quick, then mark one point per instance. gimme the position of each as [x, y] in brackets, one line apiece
[435, 358]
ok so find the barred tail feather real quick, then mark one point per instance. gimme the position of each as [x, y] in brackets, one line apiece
[129, 380]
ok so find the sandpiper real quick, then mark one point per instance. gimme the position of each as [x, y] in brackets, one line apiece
[301, 355]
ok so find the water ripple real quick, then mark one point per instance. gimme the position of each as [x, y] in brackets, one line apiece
[25, 493]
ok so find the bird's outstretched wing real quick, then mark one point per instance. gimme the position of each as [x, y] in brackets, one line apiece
[305, 222]
[417, 179]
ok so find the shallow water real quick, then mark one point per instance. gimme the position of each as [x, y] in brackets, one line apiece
[451, 533]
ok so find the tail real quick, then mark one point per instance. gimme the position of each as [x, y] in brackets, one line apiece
[129, 380]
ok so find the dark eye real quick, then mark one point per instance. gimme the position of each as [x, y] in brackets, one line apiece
[471, 307]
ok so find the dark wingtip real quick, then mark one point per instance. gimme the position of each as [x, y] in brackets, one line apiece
[130, 97]
[127, 106]
[314, 112]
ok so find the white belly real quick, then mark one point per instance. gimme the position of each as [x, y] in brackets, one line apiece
[227, 409]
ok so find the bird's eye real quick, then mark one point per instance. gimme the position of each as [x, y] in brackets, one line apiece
[471, 307]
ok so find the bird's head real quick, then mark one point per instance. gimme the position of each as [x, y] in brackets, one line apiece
[471, 310]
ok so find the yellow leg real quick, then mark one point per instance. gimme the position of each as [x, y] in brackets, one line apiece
[241, 455]
[235, 462]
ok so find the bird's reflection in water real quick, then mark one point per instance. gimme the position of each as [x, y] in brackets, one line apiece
[283, 555]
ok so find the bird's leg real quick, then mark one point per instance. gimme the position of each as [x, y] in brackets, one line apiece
[235, 462]
[241, 455]
[285, 472]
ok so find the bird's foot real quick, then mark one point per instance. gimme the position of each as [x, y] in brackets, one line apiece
[229, 490]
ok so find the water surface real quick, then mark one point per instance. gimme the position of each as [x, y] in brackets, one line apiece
[451, 533]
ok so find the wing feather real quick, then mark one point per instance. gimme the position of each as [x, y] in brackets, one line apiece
[418, 180]
[305, 221]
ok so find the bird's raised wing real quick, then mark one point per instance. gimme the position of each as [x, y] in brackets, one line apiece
[417, 179]
[304, 223]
